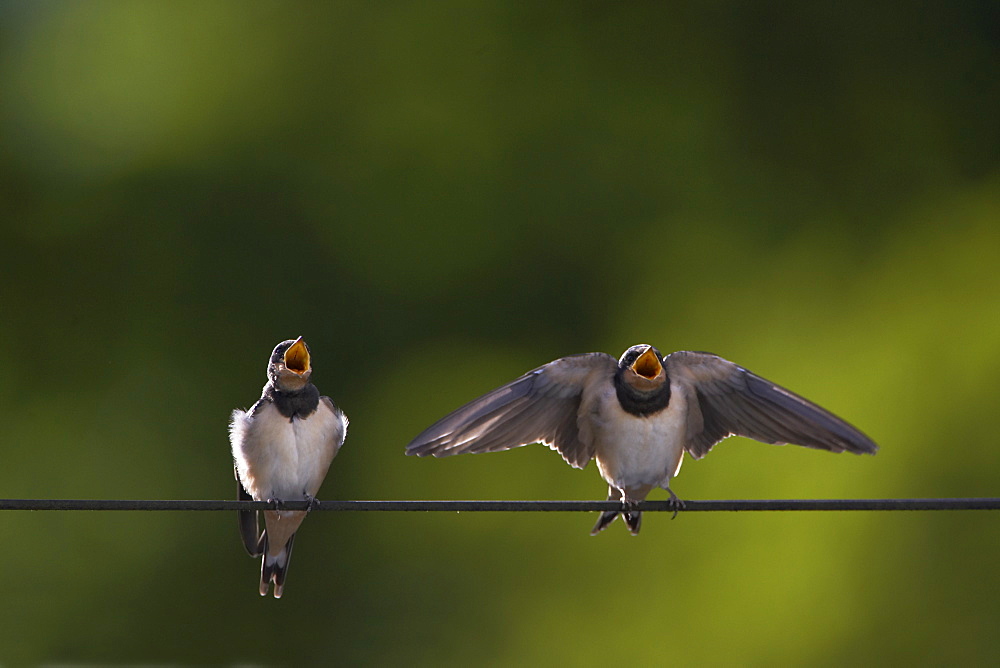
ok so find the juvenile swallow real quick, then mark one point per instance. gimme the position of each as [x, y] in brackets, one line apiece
[282, 449]
[637, 417]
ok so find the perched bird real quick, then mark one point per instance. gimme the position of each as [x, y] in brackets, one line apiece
[636, 417]
[282, 449]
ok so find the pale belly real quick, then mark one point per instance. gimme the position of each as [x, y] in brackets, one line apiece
[635, 452]
[286, 460]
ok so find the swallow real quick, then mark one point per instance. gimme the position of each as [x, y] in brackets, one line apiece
[282, 449]
[636, 416]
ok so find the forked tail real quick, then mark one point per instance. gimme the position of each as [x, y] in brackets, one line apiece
[273, 567]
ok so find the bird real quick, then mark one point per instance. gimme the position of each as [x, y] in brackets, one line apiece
[636, 417]
[282, 449]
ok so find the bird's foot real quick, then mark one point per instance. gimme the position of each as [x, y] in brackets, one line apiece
[277, 503]
[675, 503]
[312, 501]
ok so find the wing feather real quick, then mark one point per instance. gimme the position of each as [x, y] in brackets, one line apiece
[249, 528]
[733, 401]
[339, 433]
[542, 406]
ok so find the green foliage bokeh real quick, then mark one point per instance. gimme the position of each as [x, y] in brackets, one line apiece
[439, 197]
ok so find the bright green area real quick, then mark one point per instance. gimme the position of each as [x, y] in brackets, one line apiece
[440, 196]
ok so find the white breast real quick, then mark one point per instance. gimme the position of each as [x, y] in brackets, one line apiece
[278, 458]
[636, 451]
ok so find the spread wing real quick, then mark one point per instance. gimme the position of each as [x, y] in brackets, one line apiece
[542, 406]
[726, 400]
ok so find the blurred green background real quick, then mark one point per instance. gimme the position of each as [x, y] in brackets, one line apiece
[439, 197]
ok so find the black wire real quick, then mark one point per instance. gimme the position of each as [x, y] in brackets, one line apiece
[511, 506]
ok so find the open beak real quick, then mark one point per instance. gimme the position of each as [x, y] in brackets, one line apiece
[297, 357]
[647, 364]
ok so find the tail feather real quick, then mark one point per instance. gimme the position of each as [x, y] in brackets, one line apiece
[606, 518]
[633, 518]
[274, 567]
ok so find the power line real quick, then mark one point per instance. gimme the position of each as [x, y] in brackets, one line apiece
[510, 506]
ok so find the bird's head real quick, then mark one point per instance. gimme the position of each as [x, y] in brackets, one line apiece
[642, 367]
[290, 365]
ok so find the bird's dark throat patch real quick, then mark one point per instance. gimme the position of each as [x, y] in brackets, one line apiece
[299, 404]
[638, 402]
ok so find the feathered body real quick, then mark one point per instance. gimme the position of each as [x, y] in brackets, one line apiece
[636, 417]
[282, 449]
